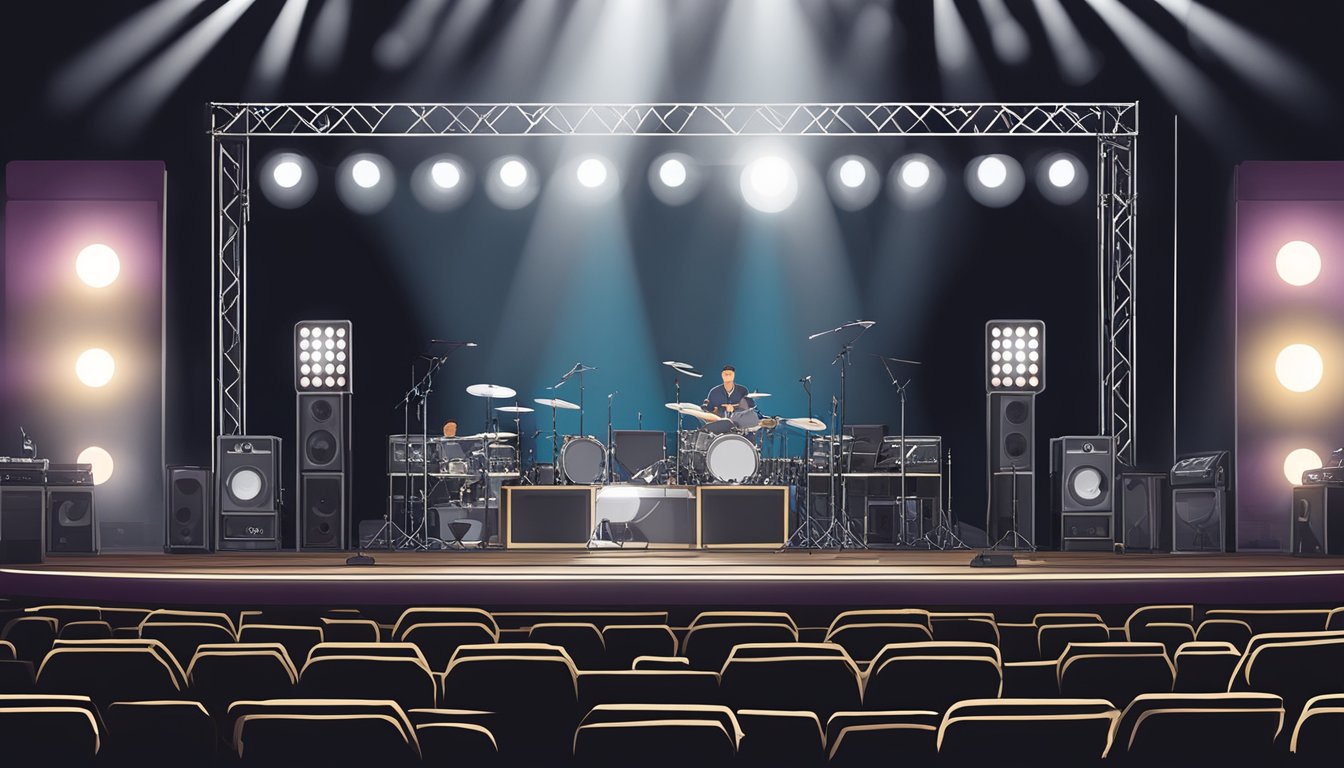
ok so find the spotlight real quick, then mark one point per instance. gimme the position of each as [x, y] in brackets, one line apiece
[674, 178]
[994, 180]
[592, 173]
[101, 462]
[1300, 461]
[853, 182]
[769, 184]
[315, 371]
[1061, 178]
[1298, 263]
[915, 181]
[364, 182]
[1015, 356]
[1299, 367]
[511, 183]
[288, 179]
[95, 367]
[441, 183]
[97, 265]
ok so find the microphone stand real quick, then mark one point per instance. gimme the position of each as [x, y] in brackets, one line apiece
[847, 538]
[804, 530]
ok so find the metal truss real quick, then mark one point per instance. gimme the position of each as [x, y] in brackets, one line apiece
[1113, 126]
[1117, 182]
[673, 119]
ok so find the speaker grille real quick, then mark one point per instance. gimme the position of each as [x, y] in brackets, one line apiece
[323, 511]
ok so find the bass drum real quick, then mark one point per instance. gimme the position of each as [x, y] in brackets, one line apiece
[582, 460]
[732, 459]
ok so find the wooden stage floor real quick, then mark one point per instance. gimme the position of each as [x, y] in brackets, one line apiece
[576, 578]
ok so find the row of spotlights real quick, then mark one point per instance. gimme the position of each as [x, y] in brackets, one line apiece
[768, 183]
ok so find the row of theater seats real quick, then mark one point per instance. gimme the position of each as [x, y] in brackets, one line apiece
[1155, 729]
[173, 661]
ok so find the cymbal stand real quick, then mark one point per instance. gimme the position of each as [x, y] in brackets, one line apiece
[611, 449]
[804, 537]
[555, 449]
[676, 385]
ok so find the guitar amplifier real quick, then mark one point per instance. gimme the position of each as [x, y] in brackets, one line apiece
[1200, 470]
[25, 472]
[1324, 476]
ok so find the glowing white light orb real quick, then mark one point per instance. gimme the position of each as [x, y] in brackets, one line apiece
[1298, 262]
[1062, 173]
[97, 265]
[852, 173]
[287, 174]
[1299, 367]
[366, 173]
[592, 173]
[915, 174]
[445, 174]
[769, 184]
[991, 172]
[513, 174]
[101, 461]
[672, 172]
[95, 367]
[1300, 461]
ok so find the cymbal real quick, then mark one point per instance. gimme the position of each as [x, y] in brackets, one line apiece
[758, 395]
[705, 416]
[687, 408]
[833, 438]
[806, 424]
[685, 368]
[514, 409]
[769, 423]
[555, 402]
[491, 436]
[491, 390]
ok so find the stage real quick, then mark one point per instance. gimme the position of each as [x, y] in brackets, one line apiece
[702, 579]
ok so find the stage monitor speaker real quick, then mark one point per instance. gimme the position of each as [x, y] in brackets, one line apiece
[1143, 518]
[1005, 487]
[1081, 474]
[322, 432]
[21, 511]
[190, 510]
[1318, 520]
[1198, 517]
[71, 525]
[1012, 432]
[559, 516]
[744, 516]
[321, 523]
[247, 498]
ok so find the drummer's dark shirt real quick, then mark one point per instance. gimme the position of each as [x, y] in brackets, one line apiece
[719, 397]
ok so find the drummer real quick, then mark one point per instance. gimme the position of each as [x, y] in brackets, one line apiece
[450, 428]
[728, 398]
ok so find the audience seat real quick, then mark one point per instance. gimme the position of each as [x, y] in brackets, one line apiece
[17, 676]
[1298, 671]
[1200, 728]
[1140, 618]
[167, 733]
[535, 699]
[1315, 738]
[222, 674]
[191, 617]
[853, 738]
[627, 642]
[667, 735]
[85, 630]
[438, 641]
[1117, 672]
[1263, 620]
[705, 618]
[350, 630]
[1052, 639]
[298, 641]
[1205, 667]
[276, 739]
[438, 615]
[639, 686]
[110, 673]
[1234, 631]
[1049, 732]
[450, 743]
[183, 638]
[969, 627]
[31, 636]
[773, 738]
[661, 662]
[50, 734]
[863, 641]
[707, 646]
[403, 680]
[931, 678]
[583, 642]
[804, 683]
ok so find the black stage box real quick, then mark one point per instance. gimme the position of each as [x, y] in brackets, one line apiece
[743, 515]
[540, 517]
[21, 529]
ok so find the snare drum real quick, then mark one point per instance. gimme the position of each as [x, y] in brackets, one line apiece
[732, 459]
[582, 459]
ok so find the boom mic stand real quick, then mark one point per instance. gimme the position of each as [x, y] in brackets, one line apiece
[846, 539]
[436, 353]
[580, 369]
[802, 537]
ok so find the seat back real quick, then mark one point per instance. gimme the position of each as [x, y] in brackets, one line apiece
[86, 630]
[440, 615]
[1118, 678]
[778, 650]
[298, 641]
[626, 642]
[773, 737]
[1315, 735]
[350, 630]
[1164, 728]
[317, 739]
[708, 645]
[383, 650]
[637, 686]
[1171, 634]
[1148, 614]
[1276, 619]
[1052, 639]
[705, 618]
[1297, 671]
[972, 627]
[160, 733]
[539, 650]
[239, 709]
[853, 738]
[882, 616]
[108, 674]
[583, 642]
[863, 641]
[1234, 631]
[931, 683]
[1079, 731]
[191, 617]
[31, 636]
[221, 675]
[66, 614]
[62, 735]
[1205, 667]
[439, 641]
[534, 698]
[678, 742]
[817, 684]
[1240, 680]
[403, 680]
[183, 638]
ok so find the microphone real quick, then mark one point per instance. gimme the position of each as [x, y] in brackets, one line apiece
[805, 379]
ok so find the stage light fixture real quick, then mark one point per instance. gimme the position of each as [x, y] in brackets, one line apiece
[288, 179]
[592, 172]
[365, 182]
[769, 184]
[853, 181]
[321, 349]
[100, 460]
[915, 173]
[97, 265]
[674, 178]
[1299, 461]
[1061, 178]
[1299, 367]
[441, 182]
[1298, 263]
[95, 367]
[915, 181]
[994, 180]
[1014, 356]
[511, 182]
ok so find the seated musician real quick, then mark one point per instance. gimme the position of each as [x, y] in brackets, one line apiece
[450, 429]
[728, 398]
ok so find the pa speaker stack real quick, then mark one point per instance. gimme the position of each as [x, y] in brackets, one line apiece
[323, 384]
[1014, 375]
[1082, 471]
[190, 514]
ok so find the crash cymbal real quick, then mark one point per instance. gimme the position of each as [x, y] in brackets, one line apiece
[685, 368]
[491, 390]
[769, 423]
[806, 424]
[550, 402]
[758, 395]
[491, 436]
[514, 409]
[687, 408]
[705, 416]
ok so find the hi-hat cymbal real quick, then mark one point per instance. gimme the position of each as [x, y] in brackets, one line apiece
[758, 395]
[685, 368]
[555, 402]
[491, 436]
[687, 408]
[514, 409]
[807, 424]
[491, 390]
